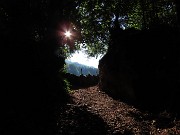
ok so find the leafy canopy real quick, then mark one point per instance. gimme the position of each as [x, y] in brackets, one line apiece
[95, 18]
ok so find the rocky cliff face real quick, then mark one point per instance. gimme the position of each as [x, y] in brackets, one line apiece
[142, 67]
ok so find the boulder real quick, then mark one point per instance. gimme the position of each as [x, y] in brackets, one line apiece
[141, 67]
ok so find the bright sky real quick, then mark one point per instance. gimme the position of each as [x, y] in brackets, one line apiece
[82, 58]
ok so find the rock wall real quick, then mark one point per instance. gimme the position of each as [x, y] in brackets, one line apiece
[142, 67]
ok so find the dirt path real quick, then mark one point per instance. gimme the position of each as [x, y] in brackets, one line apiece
[93, 112]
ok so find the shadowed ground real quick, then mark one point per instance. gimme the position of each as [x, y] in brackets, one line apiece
[93, 112]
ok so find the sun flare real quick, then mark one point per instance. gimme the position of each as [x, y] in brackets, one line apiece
[68, 34]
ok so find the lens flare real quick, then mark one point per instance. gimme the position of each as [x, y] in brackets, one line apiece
[68, 34]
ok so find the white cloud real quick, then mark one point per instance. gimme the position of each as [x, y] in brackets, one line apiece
[82, 58]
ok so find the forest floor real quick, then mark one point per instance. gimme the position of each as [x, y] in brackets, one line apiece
[92, 112]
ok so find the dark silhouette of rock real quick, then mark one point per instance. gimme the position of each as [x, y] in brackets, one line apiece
[81, 81]
[142, 67]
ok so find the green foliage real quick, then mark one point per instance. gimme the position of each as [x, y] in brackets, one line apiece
[67, 85]
[95, 18]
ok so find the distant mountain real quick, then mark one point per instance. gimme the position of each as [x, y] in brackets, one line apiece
[78, 69]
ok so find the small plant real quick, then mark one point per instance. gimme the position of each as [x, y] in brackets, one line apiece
[67, 85]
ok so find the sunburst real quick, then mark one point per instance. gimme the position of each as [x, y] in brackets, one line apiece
[68, 34]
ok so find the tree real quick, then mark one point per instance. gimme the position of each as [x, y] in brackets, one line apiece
[98, 16]
[95, 18]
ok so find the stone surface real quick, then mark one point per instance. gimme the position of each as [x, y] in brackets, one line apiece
[142, 67]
